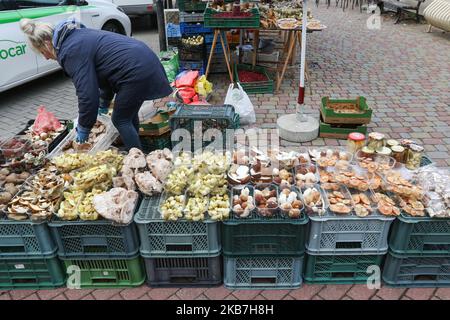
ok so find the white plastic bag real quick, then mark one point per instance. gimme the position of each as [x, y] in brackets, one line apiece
[239, 99]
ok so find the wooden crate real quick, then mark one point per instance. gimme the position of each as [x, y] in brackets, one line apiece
[331, 117]
[339, 131]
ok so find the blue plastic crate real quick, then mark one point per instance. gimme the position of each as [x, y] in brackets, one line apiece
[173, 30]
[193, 28]
[193, 65]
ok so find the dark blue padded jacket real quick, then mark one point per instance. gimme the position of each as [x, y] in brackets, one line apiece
[100, 63]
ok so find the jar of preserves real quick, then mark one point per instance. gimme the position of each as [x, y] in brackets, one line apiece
[366, 152]
[414, 156]
[392, 143]
[384, 151]
[398, 153]
[376, 141]
[355, 142]
[406, 143]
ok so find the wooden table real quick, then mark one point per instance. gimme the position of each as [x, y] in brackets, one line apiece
[220, 34]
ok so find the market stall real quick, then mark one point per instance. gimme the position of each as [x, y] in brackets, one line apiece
[245, 217]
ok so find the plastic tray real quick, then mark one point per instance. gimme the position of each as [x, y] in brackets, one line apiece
[184, 271]
[263, 272]
[339, 269]
[107, 273]
[161, 238]
[99, 238]
[416, 271]
[57, 139]
[31, 273]
[101, 145]
[254, 87]
[25, 238]
[420, 236]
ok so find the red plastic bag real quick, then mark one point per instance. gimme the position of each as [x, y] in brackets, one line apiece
[45, 121]
[187, 94]
[186, 79]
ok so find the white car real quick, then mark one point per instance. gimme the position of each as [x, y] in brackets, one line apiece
[18, 62]
[135, 7]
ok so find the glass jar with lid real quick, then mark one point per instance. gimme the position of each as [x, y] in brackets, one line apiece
[392, 143]
[398, 153]
[384, 151]
[366, 152]
[376, 141]
[355, 142]
[414, 156]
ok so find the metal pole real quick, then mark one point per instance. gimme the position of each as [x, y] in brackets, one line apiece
[161, 25]
[301, 89]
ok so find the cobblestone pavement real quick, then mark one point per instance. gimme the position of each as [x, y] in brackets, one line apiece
[402, 71]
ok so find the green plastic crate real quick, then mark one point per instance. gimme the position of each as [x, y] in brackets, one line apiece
[191, 5]
[420, 235]
[151, 143]
[31, 273]
[251, 22]
[339, 131]
[262, 236]
[416, 271]
[160, 238]
[254, 87]
[106, 273]
[330, 116]
[339, 269]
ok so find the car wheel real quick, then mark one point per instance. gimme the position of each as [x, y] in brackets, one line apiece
[112, 26]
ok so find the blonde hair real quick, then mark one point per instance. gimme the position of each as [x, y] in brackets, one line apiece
[38, 32]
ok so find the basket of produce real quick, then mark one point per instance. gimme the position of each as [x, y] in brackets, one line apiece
[52, 136]
[339, 131]
[218, 15]
[95, 218]
[101, 137]
[21, 153]
[191, 5]
[352, 111]
[253, 80]
[351, 225]
[273, 12]
[192, 48]
[185, 236]
[249, 233]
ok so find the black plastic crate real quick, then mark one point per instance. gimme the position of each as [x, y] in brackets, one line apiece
[198, 119]
[66, 123]
[184, 271]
